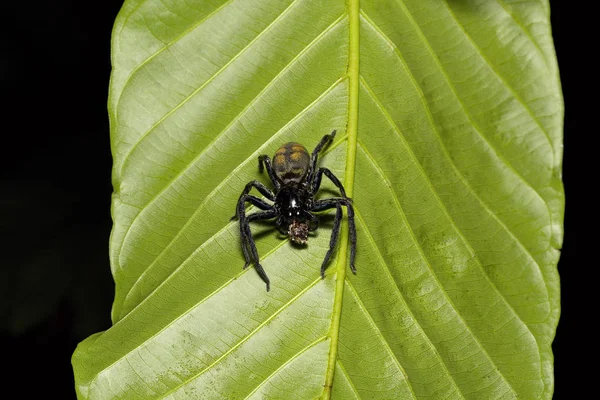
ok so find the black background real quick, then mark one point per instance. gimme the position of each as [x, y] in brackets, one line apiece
[56, 288]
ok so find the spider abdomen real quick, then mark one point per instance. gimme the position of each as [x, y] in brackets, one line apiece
[291, 162]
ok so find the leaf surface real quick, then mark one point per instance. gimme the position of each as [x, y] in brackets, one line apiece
[449, 120]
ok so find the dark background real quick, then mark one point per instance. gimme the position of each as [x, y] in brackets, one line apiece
[56, 288]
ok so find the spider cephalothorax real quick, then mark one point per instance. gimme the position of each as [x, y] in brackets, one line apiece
[297, 181]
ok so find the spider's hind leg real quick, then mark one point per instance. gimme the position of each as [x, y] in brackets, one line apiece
[315, 153]
[265, 161]
[324, 141]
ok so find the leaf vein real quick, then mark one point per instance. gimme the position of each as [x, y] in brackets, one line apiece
[209, 80]
[235, 119]
[431, 270]
[245, 339]
[149, 58]
[464, 109]
[509, 87]
[381, 337]
[288, 362]
[400, 294]
[203, 300]
[350, 383]
[447, 213]
[518, 242]
[525, 31]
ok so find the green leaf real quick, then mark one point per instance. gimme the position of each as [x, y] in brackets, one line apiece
[449, 119]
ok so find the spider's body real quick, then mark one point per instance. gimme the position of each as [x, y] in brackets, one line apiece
[296, 180]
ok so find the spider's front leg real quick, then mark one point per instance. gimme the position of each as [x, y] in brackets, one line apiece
[337, 203]
[265, 191]
[248, 244]
[240, 213]
[313, 221]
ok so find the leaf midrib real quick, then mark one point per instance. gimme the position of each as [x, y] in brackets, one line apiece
[353, 74]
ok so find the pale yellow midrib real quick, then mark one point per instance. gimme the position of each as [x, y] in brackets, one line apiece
[352, 131]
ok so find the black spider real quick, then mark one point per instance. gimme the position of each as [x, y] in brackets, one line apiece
[296, 180]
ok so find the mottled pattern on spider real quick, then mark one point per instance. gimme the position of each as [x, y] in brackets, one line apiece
[297, 180]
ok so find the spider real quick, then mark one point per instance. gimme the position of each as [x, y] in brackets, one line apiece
[297, 180]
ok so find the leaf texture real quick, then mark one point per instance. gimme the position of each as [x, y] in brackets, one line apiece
[449, 119]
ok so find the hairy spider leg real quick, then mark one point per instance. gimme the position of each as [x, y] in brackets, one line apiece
[260, 187]
[321, 205]
[337, 222]
[265, 161]
[314, 221]
[316, 184]
[241, 212]
[248, 244]
[259, 269]
[315, 154]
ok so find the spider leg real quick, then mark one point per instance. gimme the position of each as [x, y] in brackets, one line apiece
[248, 244]
[316, 184]
[261, 188]
[334, 238]
[281, 226]
[265, 161]
[314, 221]
[315, 154]
[252, 245]
[255, 201]
[241, 211]
[326, 204]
